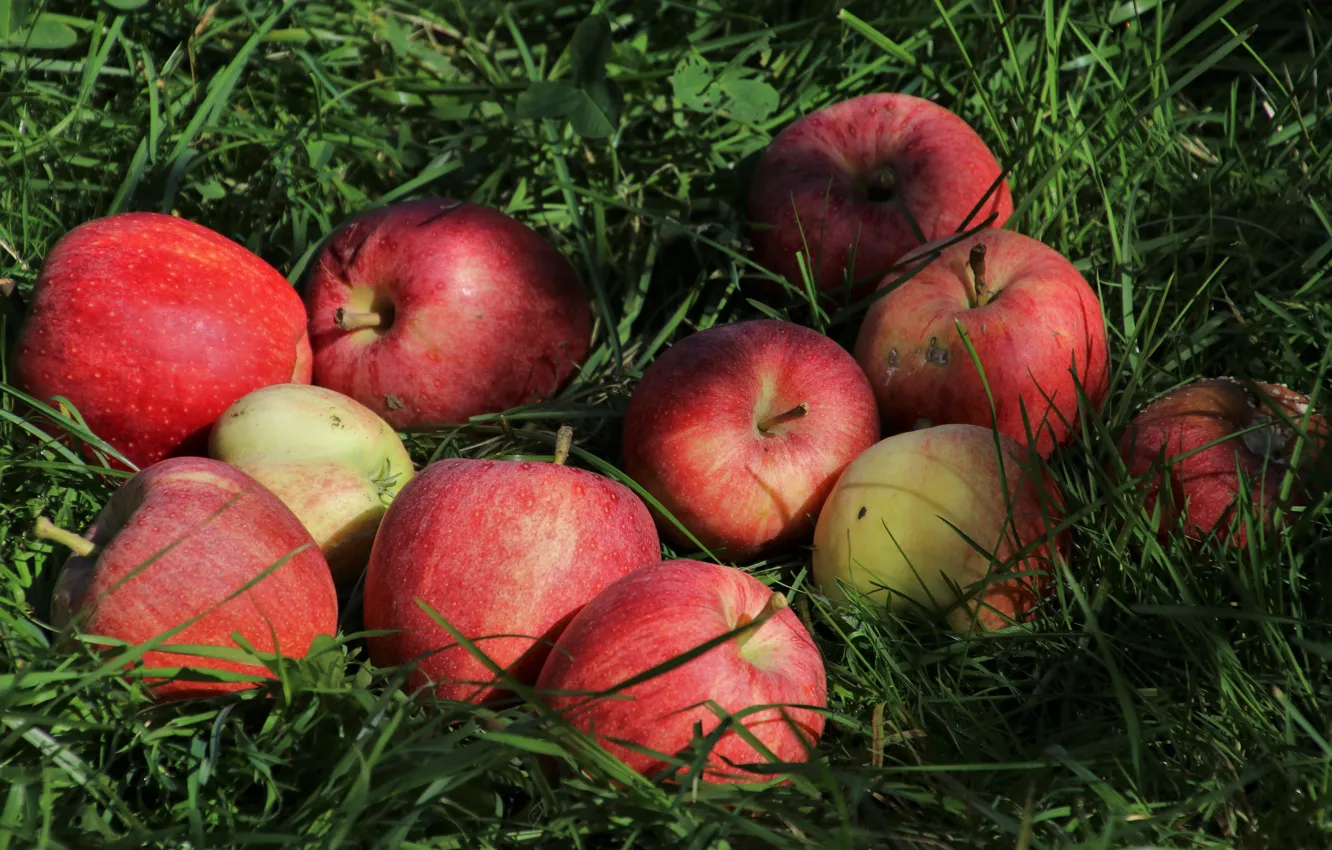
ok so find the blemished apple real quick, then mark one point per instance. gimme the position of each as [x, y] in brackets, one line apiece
[331, 459]
[1031, 317]
[890, 528]
[661, 612]
[150, 325]
[842, 185]
[740, 430]
[181, 540]
[1211, 432]
[506, 552]
[433, 311]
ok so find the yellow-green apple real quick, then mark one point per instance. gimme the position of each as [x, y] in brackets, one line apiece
[1032, 319]
[195, 541]
[150, 325]
[331, 459]
[1211, 432]
[506, 552]
[740, 430]
[892, 529]
[771, 670]
[433, 311]
[842, 185]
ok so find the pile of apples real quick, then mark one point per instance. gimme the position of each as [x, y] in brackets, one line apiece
[272, 480]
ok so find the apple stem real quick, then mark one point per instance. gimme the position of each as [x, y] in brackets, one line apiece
[977, 261]
[47, 530]
[348, 320]
[775, 603]
[794, 413]
[563, 442]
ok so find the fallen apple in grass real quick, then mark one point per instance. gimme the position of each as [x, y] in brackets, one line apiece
[506, 552]
[892, 529]
[1210, 434]
[740, 430]
[331, 459]
[841, 187]
[771, 674]
[1032, 319]
[180, 541]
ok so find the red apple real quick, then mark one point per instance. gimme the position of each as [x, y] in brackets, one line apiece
[151, 325]
[181, 539]
[1204, 487]
[661, 612]
[740, 430]
[434, 311]
[1031, 317]
[506, 552]
[839, 183]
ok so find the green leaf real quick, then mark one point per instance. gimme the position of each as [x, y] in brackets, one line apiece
[126, 5]
[589, 49]
[736, 93]
[691, 83]
[46, 33]
[13, 17]
[593, 112]
[748, 100]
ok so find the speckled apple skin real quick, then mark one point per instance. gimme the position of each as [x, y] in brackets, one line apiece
[1043, 326]
[506, 552]
[661, 612]
[809, 177]
[205, 530]
[151, 325]
[487, 314]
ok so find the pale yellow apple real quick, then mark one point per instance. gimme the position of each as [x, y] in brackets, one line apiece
[331, 459]
[886, 527]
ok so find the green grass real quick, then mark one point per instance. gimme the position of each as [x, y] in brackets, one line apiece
[1177, 695]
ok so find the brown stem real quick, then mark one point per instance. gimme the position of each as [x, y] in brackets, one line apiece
[794, 413]
[348, 320]
[47, 530]
[977, 261]
[563, 442]
[775, 603]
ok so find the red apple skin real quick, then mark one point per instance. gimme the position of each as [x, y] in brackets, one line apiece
[814, 175]
[1043, 322]
[663, 611]
[151, 325]
[485, 314]
[691, 436]
[227, 530]
[1204, 486]
[496, 548]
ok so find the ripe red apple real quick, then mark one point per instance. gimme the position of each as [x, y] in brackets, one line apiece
[1204, 487]
[180, 540]
[660, 612]
[740, 430]
[506, 552]
[837, 186]
[151, 325]
[1031, 317]
[436, 310]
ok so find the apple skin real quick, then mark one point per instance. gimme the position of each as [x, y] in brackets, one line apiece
[1204, 487]
[691, 435]
[482, 313]
[1043, 321]
[496, 548]
[816, 175]
[905, 491]
[329, 458]
[665, 610]
[227, 529]
[151, 325]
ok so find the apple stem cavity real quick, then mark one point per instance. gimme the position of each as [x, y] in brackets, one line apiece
[977, 294]
[81, 546]
[348, 320]
[563, 442]
[796, 412]
[776, 602]
[881, 185]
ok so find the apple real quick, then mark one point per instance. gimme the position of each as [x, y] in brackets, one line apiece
[331, 459]
[740, 430]
[181, 540]
[1032, 319]
[150, 325]
[433, 311]
[892, 529]
[1210, 432]
[660, 612]
[506, 552]
[842, 185]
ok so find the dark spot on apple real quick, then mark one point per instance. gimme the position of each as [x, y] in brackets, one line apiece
[936, 355]
[392, 402]
[893, 360]
[238, 414]
[862, 513]
[337, 421]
